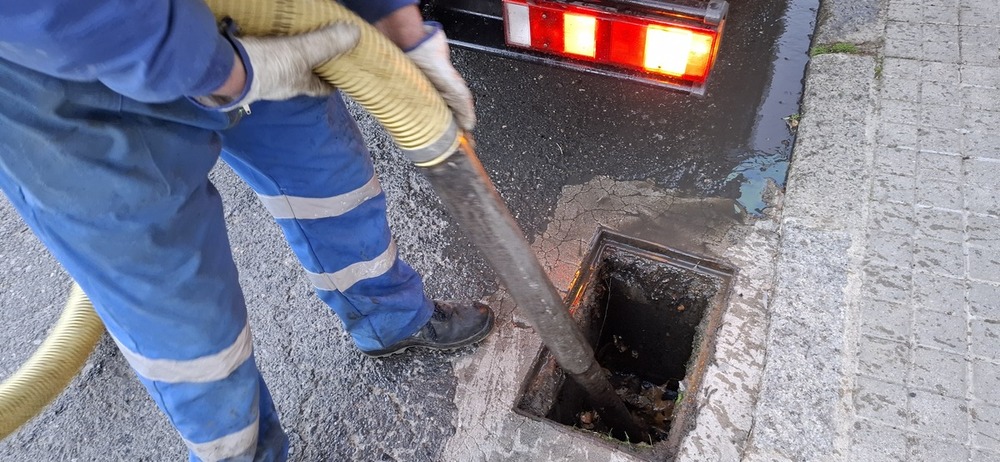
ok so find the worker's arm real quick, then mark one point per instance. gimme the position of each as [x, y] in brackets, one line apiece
[375, 10]
[162, 50]
[150, 50]
[427, 47]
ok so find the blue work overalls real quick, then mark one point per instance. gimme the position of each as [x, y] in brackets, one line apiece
[118, 190]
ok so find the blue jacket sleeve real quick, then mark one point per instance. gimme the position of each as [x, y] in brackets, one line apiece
[149, 50]
[372, 11]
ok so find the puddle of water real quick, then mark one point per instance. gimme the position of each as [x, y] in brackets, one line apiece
[754, 174]
[771, 140]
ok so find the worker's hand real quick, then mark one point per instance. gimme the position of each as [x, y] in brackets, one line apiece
[432, 57]
[279, 68]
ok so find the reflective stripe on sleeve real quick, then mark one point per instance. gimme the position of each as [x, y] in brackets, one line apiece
[308, 208]
[240, 445]
[343, 280]
[198, 370]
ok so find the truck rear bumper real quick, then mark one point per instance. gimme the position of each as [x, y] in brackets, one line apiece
[479, 25]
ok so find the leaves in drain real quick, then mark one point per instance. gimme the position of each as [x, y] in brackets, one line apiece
[653, 405]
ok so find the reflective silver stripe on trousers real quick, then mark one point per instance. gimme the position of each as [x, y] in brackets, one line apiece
[238, 446]
[306, 208]
[198, 370]
[347, 277]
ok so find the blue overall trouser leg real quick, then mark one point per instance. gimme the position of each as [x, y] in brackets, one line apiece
[308, 163]
[118, 192]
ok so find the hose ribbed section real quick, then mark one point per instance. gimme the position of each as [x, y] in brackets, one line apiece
[375, 73]
[49, 370]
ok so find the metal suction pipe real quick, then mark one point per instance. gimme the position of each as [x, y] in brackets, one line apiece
[471, 199]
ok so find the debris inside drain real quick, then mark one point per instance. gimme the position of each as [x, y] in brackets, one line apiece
[652, 405]
[644, 318]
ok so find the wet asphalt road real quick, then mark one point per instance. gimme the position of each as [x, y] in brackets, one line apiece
[540, 129]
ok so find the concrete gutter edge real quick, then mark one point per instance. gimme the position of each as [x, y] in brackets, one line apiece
[805, 403]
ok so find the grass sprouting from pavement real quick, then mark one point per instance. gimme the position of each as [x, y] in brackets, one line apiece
[838, 47]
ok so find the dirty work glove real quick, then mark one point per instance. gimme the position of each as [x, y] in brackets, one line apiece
[432, 57]
[280, 68]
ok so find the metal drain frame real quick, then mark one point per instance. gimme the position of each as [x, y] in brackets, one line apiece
[606, 239]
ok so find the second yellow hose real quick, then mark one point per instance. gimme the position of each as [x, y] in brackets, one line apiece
[50, 369]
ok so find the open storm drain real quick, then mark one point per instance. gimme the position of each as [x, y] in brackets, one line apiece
[651, 314]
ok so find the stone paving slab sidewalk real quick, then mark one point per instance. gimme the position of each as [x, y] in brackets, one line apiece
[884, 340]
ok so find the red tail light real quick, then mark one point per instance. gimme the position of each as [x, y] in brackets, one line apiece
[674, 49]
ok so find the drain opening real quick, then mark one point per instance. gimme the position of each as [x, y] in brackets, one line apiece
[650, 313]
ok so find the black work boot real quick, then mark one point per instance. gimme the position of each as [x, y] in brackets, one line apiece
[454, 324]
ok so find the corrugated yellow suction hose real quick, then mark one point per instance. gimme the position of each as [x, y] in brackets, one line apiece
[52, 366]
[376, 74]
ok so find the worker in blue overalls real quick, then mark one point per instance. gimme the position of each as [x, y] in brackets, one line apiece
[112, 113]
